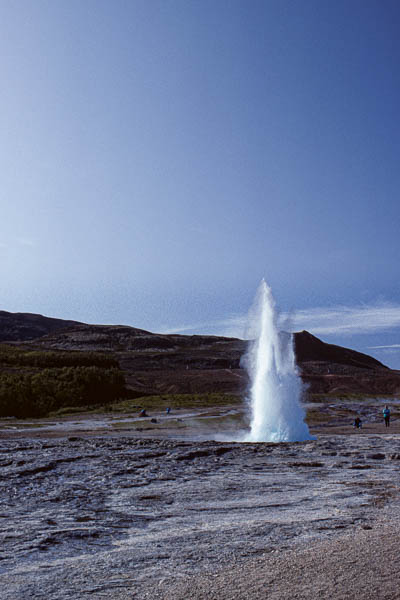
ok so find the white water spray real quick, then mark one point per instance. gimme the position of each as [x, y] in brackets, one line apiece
[276, 388]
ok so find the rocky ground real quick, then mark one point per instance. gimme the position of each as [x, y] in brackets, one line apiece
[120, 513]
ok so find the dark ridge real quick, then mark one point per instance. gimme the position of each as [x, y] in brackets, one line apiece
[19, 327]
[310, 348]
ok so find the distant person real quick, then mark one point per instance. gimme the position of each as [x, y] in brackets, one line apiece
[143, 413]
[386, 416]
[357, 423]
[168, 410]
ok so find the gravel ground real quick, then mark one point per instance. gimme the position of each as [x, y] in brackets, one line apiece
[363, 565]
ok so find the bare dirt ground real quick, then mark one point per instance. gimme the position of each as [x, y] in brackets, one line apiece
[118, 507]
[360, 564]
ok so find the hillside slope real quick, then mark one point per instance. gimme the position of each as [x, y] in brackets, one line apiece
[28, 326]
[159, 364]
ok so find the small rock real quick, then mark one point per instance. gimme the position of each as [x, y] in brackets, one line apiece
[194, 454]
[222, 450]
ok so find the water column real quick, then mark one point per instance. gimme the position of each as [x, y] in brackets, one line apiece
[276, 390]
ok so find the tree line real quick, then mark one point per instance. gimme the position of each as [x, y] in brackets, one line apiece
[33, 384]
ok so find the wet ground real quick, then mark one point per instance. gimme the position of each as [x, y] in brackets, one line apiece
[329, 414]
[180, 423]
[115, 508]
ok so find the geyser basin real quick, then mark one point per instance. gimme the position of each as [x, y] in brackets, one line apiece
[276, 390]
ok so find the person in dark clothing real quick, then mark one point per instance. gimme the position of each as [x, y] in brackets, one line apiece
[386, 416]
[357, 423]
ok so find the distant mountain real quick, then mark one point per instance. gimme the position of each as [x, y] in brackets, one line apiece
[19, 327]
[310, 348]
[156, 363]
[330, 369]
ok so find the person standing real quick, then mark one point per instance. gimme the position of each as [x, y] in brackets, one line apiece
[386, 416]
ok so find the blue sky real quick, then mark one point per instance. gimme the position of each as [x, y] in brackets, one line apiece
[160, 157]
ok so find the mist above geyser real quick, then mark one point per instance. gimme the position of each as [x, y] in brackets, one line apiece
[276, 388]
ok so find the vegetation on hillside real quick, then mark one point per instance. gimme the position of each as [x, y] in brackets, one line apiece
[32, 384]
[14, 356]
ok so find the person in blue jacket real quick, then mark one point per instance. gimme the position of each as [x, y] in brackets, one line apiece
[386, 416]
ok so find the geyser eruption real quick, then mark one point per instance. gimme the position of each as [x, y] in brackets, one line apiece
[276, 388]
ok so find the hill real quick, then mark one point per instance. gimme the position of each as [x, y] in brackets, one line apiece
[28, 326]
[330, 369]
[164, 364]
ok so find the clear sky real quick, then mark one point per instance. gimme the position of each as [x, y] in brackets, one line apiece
[160, 157]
